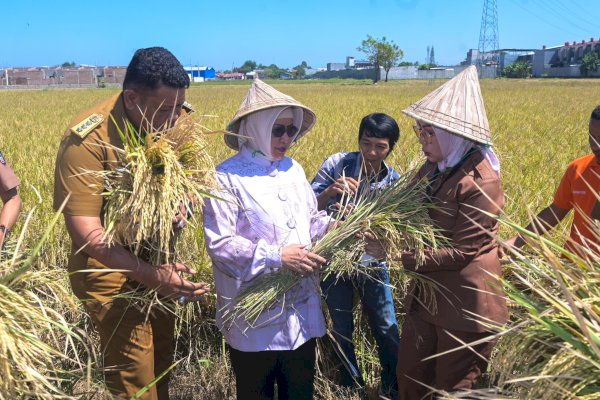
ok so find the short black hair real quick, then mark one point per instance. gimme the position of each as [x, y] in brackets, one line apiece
[596, 113]
[155, 66]
[381, 126]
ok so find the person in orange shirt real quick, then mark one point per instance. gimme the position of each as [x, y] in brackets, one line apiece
[578, 190]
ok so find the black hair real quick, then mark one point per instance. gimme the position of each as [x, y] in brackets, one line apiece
[155, 66]
[381, 126]
[596, 113]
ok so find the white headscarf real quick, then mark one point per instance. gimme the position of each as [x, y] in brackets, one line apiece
[455, 147]
[255, 129]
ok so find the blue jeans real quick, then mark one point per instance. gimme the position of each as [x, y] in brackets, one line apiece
[377, 302]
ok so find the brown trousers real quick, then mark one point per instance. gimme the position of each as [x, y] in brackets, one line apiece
[454, 371]
[137, 345]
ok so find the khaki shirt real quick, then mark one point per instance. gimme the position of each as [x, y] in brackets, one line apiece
[77, 157]
[90, 143]
[8, 179]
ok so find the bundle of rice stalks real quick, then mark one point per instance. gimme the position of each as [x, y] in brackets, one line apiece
[161, 174]
[552, 350]
[38, 347]
[396, 215]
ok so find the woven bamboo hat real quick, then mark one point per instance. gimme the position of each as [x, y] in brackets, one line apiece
[261, 96]
[457, 107]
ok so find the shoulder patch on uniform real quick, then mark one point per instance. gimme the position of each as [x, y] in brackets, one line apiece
[2, 160]
[188, 107]
[83, 128]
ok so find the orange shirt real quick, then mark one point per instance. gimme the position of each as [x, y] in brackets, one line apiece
[578, 190]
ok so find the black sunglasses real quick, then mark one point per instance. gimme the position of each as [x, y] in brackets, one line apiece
[278, 130]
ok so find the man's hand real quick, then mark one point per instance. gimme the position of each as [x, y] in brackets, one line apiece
[295, 258]
[373, 246]
[344, 210]
[340, 186]
[343, 185]
[180, 218]
[166, 279]
[87, 234]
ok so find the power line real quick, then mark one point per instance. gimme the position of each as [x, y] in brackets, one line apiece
[537, 16]
[571, 11]
[564, 17]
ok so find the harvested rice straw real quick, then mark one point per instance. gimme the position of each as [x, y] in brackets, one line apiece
[551, 347]
[35, 339]
[396, 215]
[161, 174]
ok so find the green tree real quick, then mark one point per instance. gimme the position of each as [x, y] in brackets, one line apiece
[68, 64]
[381, 53]
[300, 70]
[519, 69]
[590, 63]
[247, 66]
[273, 71]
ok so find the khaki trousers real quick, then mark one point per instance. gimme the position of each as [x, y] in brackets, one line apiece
[137, 345]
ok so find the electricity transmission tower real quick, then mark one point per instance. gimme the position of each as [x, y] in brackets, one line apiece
[488, 34]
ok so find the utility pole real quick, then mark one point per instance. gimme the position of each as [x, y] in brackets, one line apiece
[488, 34]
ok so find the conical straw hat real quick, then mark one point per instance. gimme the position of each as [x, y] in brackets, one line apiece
[456, 106]
[261, 96]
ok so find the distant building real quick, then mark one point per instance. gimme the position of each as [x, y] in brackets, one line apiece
[564, 61]
[86, 75]
[363, 64]
[257, 72]
[472, 57]
[112, 75]
[234, 76]
[312, 71]
[558, 61]
[351, 63]
[336, 66]
[200, 74]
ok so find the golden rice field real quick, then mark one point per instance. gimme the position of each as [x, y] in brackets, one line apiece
[538, 127]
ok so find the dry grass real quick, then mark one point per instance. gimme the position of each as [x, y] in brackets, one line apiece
[538, 127]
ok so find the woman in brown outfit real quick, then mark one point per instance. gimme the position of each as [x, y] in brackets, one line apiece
[463, 177]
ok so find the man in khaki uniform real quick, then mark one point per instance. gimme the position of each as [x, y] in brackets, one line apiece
[137, 346]
[10, 199]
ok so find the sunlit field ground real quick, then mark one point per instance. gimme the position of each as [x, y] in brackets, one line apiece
[538, 127]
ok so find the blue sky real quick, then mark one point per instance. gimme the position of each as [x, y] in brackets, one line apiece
[226, 33]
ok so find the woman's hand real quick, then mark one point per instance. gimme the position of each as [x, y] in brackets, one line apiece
[505, 248]
[295, 258]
